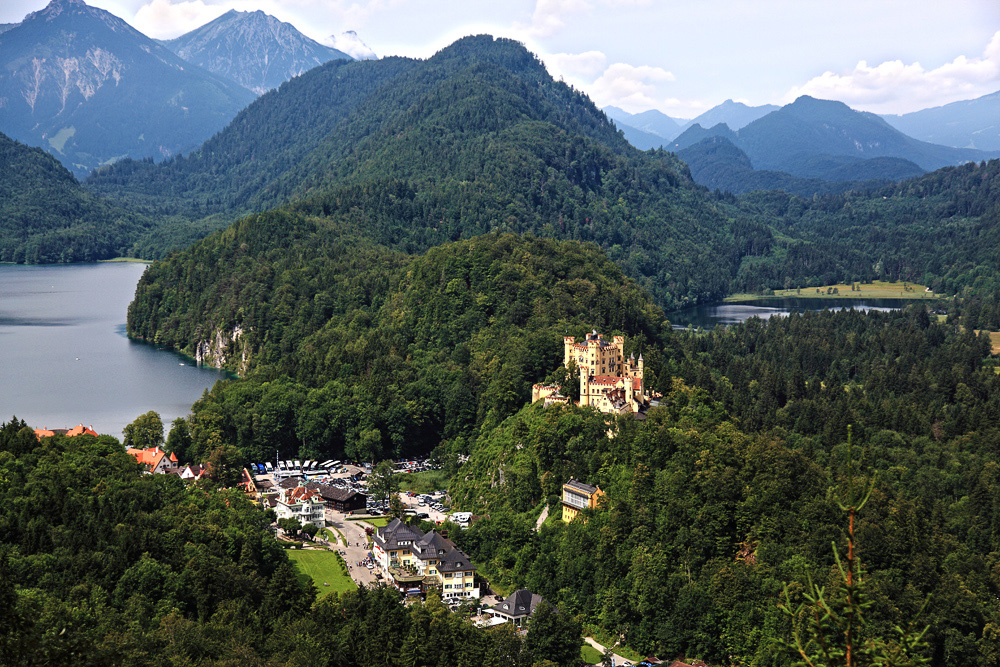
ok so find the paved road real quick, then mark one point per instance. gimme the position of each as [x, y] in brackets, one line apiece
[354, 531]
[619, 660]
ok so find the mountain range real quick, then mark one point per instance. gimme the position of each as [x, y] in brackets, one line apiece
[823, 139]
[47, 216]
[968, 124]
[651, 128]
[253, 49]
[86, 86]
[90, 89]
[718, 164]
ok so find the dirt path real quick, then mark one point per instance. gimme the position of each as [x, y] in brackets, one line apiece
[541, 518]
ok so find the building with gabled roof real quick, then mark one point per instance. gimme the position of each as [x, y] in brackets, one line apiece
[154, 459]
[516, 607]
[79, 429]
[302, 504]
[415, 562]
[340, 499]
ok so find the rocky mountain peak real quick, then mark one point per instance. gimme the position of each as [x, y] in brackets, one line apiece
[254, 49]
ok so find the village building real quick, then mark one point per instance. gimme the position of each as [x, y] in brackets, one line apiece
[193, 472]
[302, 504]
[576, 497]
[415, 562]
[516, 607]
[79, 429]
[339, 499]
[155, 460]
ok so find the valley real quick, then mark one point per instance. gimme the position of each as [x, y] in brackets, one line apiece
[385, 258]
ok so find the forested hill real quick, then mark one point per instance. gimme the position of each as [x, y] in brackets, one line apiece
[46, 216]
[941, 229]
[413, 154]
[353, 349]
[297, 136]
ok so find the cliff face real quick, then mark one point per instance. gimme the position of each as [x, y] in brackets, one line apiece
[253, 49]
[222, 349]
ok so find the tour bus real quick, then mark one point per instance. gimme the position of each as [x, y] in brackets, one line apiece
[326, 464]
[298, 464]
[269, 466]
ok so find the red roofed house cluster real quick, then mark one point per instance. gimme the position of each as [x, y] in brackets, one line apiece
[79, 429]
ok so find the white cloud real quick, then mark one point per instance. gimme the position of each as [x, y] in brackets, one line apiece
[351, 44]
[164, 19]
[896, 87]
[630, 87]
[576, 65]
[549, 16]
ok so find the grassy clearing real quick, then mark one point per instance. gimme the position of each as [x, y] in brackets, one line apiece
[879, 289]
[130, 260]
[424, 482]
[334, 535]
[994, 340]
[605, 639]
[323, 567]
[377, 522]
[590, 655]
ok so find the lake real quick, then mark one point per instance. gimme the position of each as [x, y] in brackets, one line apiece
[707, 316]
[65, 358]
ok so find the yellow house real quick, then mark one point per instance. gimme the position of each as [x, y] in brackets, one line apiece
[578, 496]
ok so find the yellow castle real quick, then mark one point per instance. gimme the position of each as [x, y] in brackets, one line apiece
[608, 381]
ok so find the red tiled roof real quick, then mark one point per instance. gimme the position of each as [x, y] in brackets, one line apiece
[79, 429]
[150, 457]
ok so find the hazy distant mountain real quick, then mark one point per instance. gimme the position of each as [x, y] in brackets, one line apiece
[649, 129]
[810, 137]
[717, 164]
[808, 125]
[639, 138]
[351, 44]
[86, 86]
[696, 134]
[734, 114]
[966, 124]
[253, 49]
[4, 27]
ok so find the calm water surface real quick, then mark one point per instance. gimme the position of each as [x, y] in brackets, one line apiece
[709, 315]
[65, 359]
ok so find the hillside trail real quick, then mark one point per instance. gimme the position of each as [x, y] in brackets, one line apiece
[541, 518]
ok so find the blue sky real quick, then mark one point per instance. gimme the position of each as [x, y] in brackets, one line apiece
[678, 56]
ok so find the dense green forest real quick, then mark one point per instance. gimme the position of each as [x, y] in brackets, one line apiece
[938, 230]
[413, 154]
[103, 565]
[353, 350]
[722, 494]
[46, 216]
